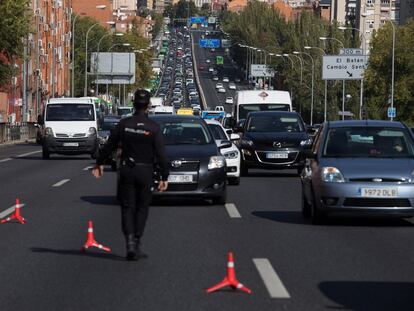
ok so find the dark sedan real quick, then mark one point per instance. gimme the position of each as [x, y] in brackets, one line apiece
[197, 167]
[273, 140]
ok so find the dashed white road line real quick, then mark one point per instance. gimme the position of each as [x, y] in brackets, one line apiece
[27, 154]
[88, 168]
[232, 210]
[5, 160]
[60, 183]
[9, 210]
[271, 280]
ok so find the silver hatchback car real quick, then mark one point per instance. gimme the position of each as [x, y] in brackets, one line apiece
[359, 168]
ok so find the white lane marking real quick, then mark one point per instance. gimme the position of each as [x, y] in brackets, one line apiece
[5, 160]
[271, 280]
[88, 168]
[9, 210]
[232, 210]
[27, 154]
[60, 183]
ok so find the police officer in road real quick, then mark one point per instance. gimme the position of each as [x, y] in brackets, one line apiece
[142, 146]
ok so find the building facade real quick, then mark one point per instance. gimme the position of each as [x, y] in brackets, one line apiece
[406, 10]
[44, 71]
[89, 8]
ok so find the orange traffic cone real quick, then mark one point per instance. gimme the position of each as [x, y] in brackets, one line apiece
[16, 215]
[230, 279]
[91, 242]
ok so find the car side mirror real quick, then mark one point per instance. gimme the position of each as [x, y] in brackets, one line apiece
[225, 144]
[229, 131]
[309, 154]
[234, 137]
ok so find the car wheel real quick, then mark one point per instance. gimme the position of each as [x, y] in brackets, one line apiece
[244, 170]
[221, 200]
[45, 153]
[306, 207]
[113, 165]
[317, 217]
[95, 154]
[234, 181]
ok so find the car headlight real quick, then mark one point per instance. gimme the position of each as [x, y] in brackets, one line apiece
[92, 131]
[412, 177]
[247, 142]
[306, 142]
[48, 131]
[332, 174]
[231, 154]
[216, 162]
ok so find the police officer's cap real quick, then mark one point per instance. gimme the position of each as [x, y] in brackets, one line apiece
[141, 99]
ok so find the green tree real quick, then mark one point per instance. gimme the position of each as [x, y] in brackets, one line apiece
[15, 26]
[378, 75]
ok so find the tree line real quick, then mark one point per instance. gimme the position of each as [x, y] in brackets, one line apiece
[260, 25]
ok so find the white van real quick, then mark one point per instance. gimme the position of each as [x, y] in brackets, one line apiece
[250, 101]
[69, 126]
[163, 110]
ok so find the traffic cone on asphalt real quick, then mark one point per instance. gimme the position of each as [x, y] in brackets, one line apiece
[91, 242]
[230, 279]
[16, 215]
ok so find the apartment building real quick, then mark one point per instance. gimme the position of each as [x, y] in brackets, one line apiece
[129, 5]
[375, 13]
[345, 11]
[100, 10]
[406, 10]
[159, 6]
[44, 70]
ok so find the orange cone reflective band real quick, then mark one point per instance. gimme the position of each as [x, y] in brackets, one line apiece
[16, 215]
[91, 242]
[230, 279]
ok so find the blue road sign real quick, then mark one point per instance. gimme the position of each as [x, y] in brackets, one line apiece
[392, 112]
[197, 20]
[209, 43]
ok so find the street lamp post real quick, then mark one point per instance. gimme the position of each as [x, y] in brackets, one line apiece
[313, 80]
[97, 58]
[365, 14]
[364, 51]
[343, 81]
[325, 109]
[85, 91]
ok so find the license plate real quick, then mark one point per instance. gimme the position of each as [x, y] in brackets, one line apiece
[379, 192]
[179, 179]
[277, 155]
[71, 144]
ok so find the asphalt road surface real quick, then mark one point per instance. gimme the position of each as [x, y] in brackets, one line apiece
[286, 262]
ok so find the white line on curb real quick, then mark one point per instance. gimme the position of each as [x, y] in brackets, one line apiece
[9, 210]
[88, 168]
[232, 210]
[27, 154]
[271, 280]
[5, 160]
[60, 183]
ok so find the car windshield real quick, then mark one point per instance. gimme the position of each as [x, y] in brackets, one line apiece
[365, 142]
[245, 109]
[275, 123]
[70, 112]
[217, 132]
[185, 133]
[108, 125]
[124, 111]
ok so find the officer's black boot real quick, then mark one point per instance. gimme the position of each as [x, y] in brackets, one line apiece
[131, 245]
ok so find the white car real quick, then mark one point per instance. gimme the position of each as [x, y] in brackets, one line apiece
[222, 90]
[211, 69]
[232, 86]
[232, 154]
[229, 100]
[225, 79]
[219, 85]
[208, 61]
[219, 108]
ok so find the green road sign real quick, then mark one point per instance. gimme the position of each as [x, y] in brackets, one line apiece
[219, 60]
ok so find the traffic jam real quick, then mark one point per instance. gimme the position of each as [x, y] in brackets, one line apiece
[212, 147]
